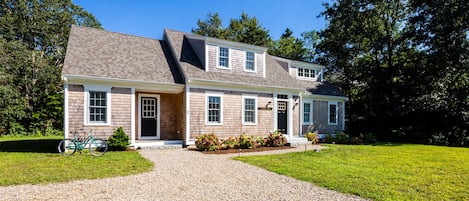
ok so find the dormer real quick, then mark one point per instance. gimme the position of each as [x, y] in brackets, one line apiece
[302, 70]
[225, 56]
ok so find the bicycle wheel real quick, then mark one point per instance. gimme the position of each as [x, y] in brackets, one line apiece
[98, 147]
[67, 147]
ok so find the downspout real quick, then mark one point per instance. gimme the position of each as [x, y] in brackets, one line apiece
[66, 126]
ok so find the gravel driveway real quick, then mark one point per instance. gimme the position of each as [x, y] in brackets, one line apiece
[183, 175]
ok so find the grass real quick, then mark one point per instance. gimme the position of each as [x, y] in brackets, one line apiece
[405, 172]
[35, 160]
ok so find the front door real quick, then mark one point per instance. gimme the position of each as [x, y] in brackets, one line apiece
[149, 117]
[282, 117]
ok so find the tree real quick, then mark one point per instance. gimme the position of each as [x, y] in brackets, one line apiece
[311, 40]
[34, 36]
[289, 47]
[211, 27]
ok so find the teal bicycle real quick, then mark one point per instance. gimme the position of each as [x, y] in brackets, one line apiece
[96, 147]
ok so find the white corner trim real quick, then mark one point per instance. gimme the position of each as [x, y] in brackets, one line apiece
[343, 115]
[100, 88]
[132, 115]
[66, 123]
[188, 114]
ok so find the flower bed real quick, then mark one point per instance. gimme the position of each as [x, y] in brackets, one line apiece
[210, 142]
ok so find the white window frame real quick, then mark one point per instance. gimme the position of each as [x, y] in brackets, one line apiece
[96, 88]
[213, 94]
[218, 58]
[253, 61]
[249, 96]
[310, 102]
[329, 103]
[314, 73]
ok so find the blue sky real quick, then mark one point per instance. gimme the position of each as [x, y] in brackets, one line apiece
[148, 18]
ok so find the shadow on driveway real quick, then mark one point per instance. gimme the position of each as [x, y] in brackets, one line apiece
[36, 146]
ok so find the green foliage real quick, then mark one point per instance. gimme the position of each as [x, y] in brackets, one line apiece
[387, 172]
[289, 47]
[118, 141]
[247, 142]
[342, 138]
[33, 39]
[402, 65]
[330, 139]
[230, 143]
[207, 142]
[275, 139]
[313, 137]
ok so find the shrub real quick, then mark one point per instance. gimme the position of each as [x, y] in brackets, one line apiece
[356, 140]
[329, 138]
[208, 142]
[230, 143]
[313, 137]
[369, 138]
[248, 142]
[119, 140]
[275, 139]
[342, 138]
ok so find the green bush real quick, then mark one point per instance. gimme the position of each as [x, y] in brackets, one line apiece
[248, 142]
[368, 138]
[207, 142]
[342, 138]
[230, 143]
[313, 137]
[119, 140]
[275, 139]
[330, 139]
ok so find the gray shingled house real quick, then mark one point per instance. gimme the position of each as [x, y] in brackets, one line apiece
[172, 90]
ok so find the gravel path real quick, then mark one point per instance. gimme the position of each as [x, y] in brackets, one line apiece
[183, 175]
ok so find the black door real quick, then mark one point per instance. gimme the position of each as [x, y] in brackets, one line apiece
[282, 117]
[149, 117]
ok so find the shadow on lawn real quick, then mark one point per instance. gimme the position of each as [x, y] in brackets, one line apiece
[37, 146]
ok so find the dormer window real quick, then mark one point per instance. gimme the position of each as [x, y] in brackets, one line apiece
[250, 64]
[308, 73]
[224, 57]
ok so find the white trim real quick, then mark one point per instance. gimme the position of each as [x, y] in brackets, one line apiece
[132, 115]
[218, 58]
[220, 42]
[158, 109]
[343, 115]
[263, 64]
[66, 122]
[329, 103]
[127, 83]
[213, 94]
[244, 97]
[240, 87]
[310, 102]
[188, 114]
[245, 60]
[275, 111]
[325, 97]
[206, 57]
[291, 104]
[97, 88]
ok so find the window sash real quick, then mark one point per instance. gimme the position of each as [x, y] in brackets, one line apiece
[333, 113]
[249, 110]
[224, 56]
[214, 107]
[250, 61]
[97, 107]
[307, 113]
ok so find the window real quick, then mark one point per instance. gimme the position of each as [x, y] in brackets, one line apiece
[224, 57]
[332, 113]
[307, 112]
[97, 105]
[250, 63]
[308, 73]
[249, 109]
[214, 109]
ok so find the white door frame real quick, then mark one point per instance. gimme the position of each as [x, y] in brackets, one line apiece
[158, 119]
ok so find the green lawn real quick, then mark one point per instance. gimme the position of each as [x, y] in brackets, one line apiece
[28, 160]
[402, 172]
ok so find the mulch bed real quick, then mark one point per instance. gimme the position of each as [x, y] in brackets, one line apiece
[234, 151]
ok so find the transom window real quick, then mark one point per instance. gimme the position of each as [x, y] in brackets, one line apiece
[307, 73]
[307, 112]
[224, 57]
[249, 109]
[250, 63]
[333, 113]
[97, 107]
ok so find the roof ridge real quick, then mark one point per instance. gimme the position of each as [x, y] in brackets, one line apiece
[114, 32]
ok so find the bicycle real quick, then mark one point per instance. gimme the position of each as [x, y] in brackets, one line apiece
[68, 147]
